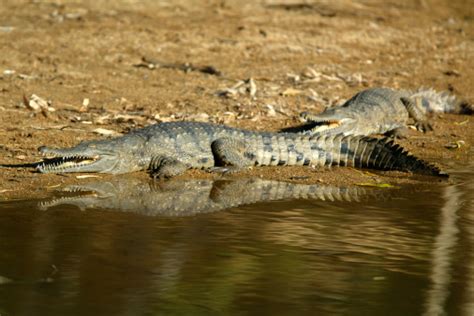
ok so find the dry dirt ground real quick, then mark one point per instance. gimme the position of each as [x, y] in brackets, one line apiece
[119, 65]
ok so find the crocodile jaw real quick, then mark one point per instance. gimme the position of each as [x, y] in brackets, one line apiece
[62, 161]
[333, 126]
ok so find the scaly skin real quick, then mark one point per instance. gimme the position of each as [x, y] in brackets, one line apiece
[193, 197]
[380, 111]
[168, 149]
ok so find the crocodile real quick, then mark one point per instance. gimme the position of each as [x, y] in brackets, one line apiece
[180, 197]
[169, 149]
[381, 111]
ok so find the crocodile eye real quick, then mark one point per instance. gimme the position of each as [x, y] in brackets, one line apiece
[425, 103]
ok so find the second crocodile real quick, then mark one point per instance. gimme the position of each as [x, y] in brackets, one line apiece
[381, 111]
[169, 149]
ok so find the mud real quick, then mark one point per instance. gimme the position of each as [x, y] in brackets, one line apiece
[120, 65]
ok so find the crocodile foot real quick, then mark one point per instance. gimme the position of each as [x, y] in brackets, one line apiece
[423, 126]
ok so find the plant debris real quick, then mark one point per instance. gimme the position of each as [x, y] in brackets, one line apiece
[87, 176]
[455, 145]
[38, 104]
[106, 132]
[374, 184]
[242, 87]
[186, 67]
[291, 92]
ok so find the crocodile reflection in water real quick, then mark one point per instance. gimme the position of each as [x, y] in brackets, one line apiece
[191, 197]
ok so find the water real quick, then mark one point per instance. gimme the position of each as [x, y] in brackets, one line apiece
[249, 247]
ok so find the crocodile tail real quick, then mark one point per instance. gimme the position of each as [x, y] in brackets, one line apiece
[442, 102]
[382, 154]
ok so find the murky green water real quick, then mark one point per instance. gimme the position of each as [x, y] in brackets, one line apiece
[204, 248]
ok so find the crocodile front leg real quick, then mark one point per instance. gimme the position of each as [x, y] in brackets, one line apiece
[415, 111]
[397, 133]
[163, 167]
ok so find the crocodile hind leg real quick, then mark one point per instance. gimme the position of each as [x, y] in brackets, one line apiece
[231, 155]
[163, 167]
[416, 111]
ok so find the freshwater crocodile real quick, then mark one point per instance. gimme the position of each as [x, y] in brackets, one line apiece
[381, 111]
[169, 149]
[189, 197]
